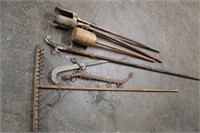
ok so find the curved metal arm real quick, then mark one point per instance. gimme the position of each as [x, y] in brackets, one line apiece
[63, 68]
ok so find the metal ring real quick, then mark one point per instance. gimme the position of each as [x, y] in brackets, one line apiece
[108, 85]
[120, 85]
[73, 60]
[73, 79]
[83, 68]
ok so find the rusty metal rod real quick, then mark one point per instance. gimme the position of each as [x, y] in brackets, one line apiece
[55, 87]
[118, 35]
[123, 43]
[86, 38]
[88, 54]
[127, 52]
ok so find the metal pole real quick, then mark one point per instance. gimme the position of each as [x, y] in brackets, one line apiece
[88, 54]
[103, 89]
[118, 35]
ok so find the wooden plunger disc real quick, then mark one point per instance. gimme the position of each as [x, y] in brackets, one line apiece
[83, 37]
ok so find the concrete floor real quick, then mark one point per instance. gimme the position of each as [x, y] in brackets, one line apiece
[172, 27]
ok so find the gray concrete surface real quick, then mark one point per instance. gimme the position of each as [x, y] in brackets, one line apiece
[171, 26]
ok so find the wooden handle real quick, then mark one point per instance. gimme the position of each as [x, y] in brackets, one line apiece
[87, 38]
[83, 37]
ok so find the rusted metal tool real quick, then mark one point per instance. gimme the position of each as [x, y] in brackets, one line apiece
[38, 60]
[38, 110]
[84, 53]
[70, 19]
[66, 68]
[86, 38]
[109, 81]
[92, 37]
[44, 100]
[118, 41]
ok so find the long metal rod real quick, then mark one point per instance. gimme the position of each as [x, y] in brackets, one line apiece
[118, 35]
[123, 43]
[88, 54]
[127, 51]
[102, 89]
[80, 52]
